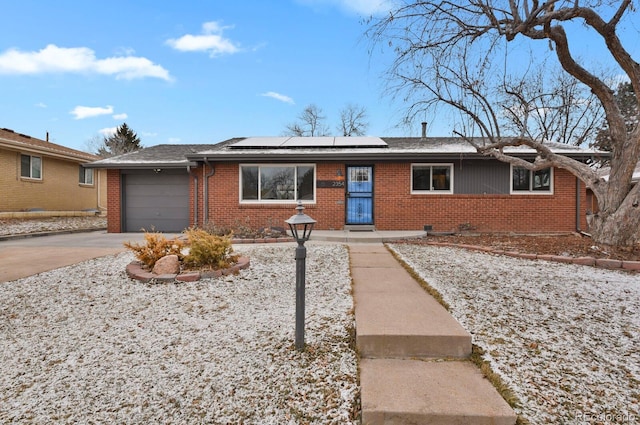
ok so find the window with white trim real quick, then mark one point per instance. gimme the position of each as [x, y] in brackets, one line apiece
[527, 181]
[277, 183]
[86, 175]
[31, 167]
[431, 178]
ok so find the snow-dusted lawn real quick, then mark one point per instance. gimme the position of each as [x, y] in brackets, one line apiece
[84, 344]
[566, 338]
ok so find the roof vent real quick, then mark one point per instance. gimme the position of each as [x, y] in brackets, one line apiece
[424, 130]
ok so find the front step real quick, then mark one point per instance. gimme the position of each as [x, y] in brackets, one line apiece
[398, 392]
[359, 227]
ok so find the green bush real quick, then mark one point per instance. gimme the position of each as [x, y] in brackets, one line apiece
[155, 247]
[207, 250]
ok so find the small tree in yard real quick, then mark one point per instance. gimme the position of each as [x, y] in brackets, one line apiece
[467, 56]
[124, 140]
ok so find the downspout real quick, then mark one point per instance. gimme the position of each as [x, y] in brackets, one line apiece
[578, 215]
[101, 208]
[195, 195]
[206, 190]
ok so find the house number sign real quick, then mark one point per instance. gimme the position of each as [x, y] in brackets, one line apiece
[328, 184]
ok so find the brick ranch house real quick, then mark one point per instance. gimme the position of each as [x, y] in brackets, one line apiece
[358, 182]
[41, 178]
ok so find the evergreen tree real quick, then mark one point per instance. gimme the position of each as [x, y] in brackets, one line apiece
[124, 140]
[628, 103]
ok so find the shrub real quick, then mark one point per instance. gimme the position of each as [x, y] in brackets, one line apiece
[155, 247]
[207, 250]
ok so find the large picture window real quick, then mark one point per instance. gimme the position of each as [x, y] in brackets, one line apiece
[431, 178]
[527, 181]
[274, 183]
[30, 167]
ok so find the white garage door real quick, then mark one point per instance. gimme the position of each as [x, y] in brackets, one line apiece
[156, 201]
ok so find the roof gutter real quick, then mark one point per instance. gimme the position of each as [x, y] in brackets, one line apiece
[22, 147]
[350, 156]
[139, 166]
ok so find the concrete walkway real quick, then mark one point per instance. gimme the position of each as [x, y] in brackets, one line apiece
[414, 367]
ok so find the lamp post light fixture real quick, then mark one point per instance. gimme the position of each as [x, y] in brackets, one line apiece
[301, 226]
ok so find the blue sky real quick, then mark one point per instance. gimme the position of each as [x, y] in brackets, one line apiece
[196, 71]
[185, 72]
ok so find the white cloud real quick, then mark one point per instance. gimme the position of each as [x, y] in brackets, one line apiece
[41, 105]
[78, 60]
[109, 131]
[120, 116]
[82, 112]
[174, 140]
[211, 40]
[148, 134]
[278, 96]
[360, 7]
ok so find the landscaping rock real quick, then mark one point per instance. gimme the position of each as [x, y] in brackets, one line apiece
[169, 264]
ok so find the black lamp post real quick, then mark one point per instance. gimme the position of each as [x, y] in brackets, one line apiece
[301, 226]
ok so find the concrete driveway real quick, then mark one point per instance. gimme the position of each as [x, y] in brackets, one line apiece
[32, 255]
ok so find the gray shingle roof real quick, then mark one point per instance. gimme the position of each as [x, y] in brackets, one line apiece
[398, 148]
[165, 156]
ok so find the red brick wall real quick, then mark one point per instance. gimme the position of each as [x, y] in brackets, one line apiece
[225, 208]
[113, 202]
[394, 207]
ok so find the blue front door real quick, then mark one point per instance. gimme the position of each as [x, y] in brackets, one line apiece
[359, 195]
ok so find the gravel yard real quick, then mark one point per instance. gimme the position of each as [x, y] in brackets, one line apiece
[14, 226]
[565, 338]
[85, 344]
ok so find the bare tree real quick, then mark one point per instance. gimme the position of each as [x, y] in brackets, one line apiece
[310, 122]
[353, 121]
[461, 54]
[551, 106]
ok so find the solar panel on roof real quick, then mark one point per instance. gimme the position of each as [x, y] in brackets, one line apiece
[359, 141]
[260, 142]
[309, 142]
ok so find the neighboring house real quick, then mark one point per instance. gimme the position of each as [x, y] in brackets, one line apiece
[36, 175]
[344, 182]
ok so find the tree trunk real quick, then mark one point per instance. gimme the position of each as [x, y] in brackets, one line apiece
[621, 228]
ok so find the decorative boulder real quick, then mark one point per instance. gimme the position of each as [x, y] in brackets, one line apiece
[169, 264]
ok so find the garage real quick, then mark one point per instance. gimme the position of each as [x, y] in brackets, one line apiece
[155, 200]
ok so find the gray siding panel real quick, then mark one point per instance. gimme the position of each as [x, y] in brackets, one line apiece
[156, 201]
[477, 177]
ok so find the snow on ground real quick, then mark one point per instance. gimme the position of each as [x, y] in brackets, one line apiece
[12, 226]
[85, 344]
[566, 338]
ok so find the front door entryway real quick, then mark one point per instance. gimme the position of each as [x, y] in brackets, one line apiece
[359, 195]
